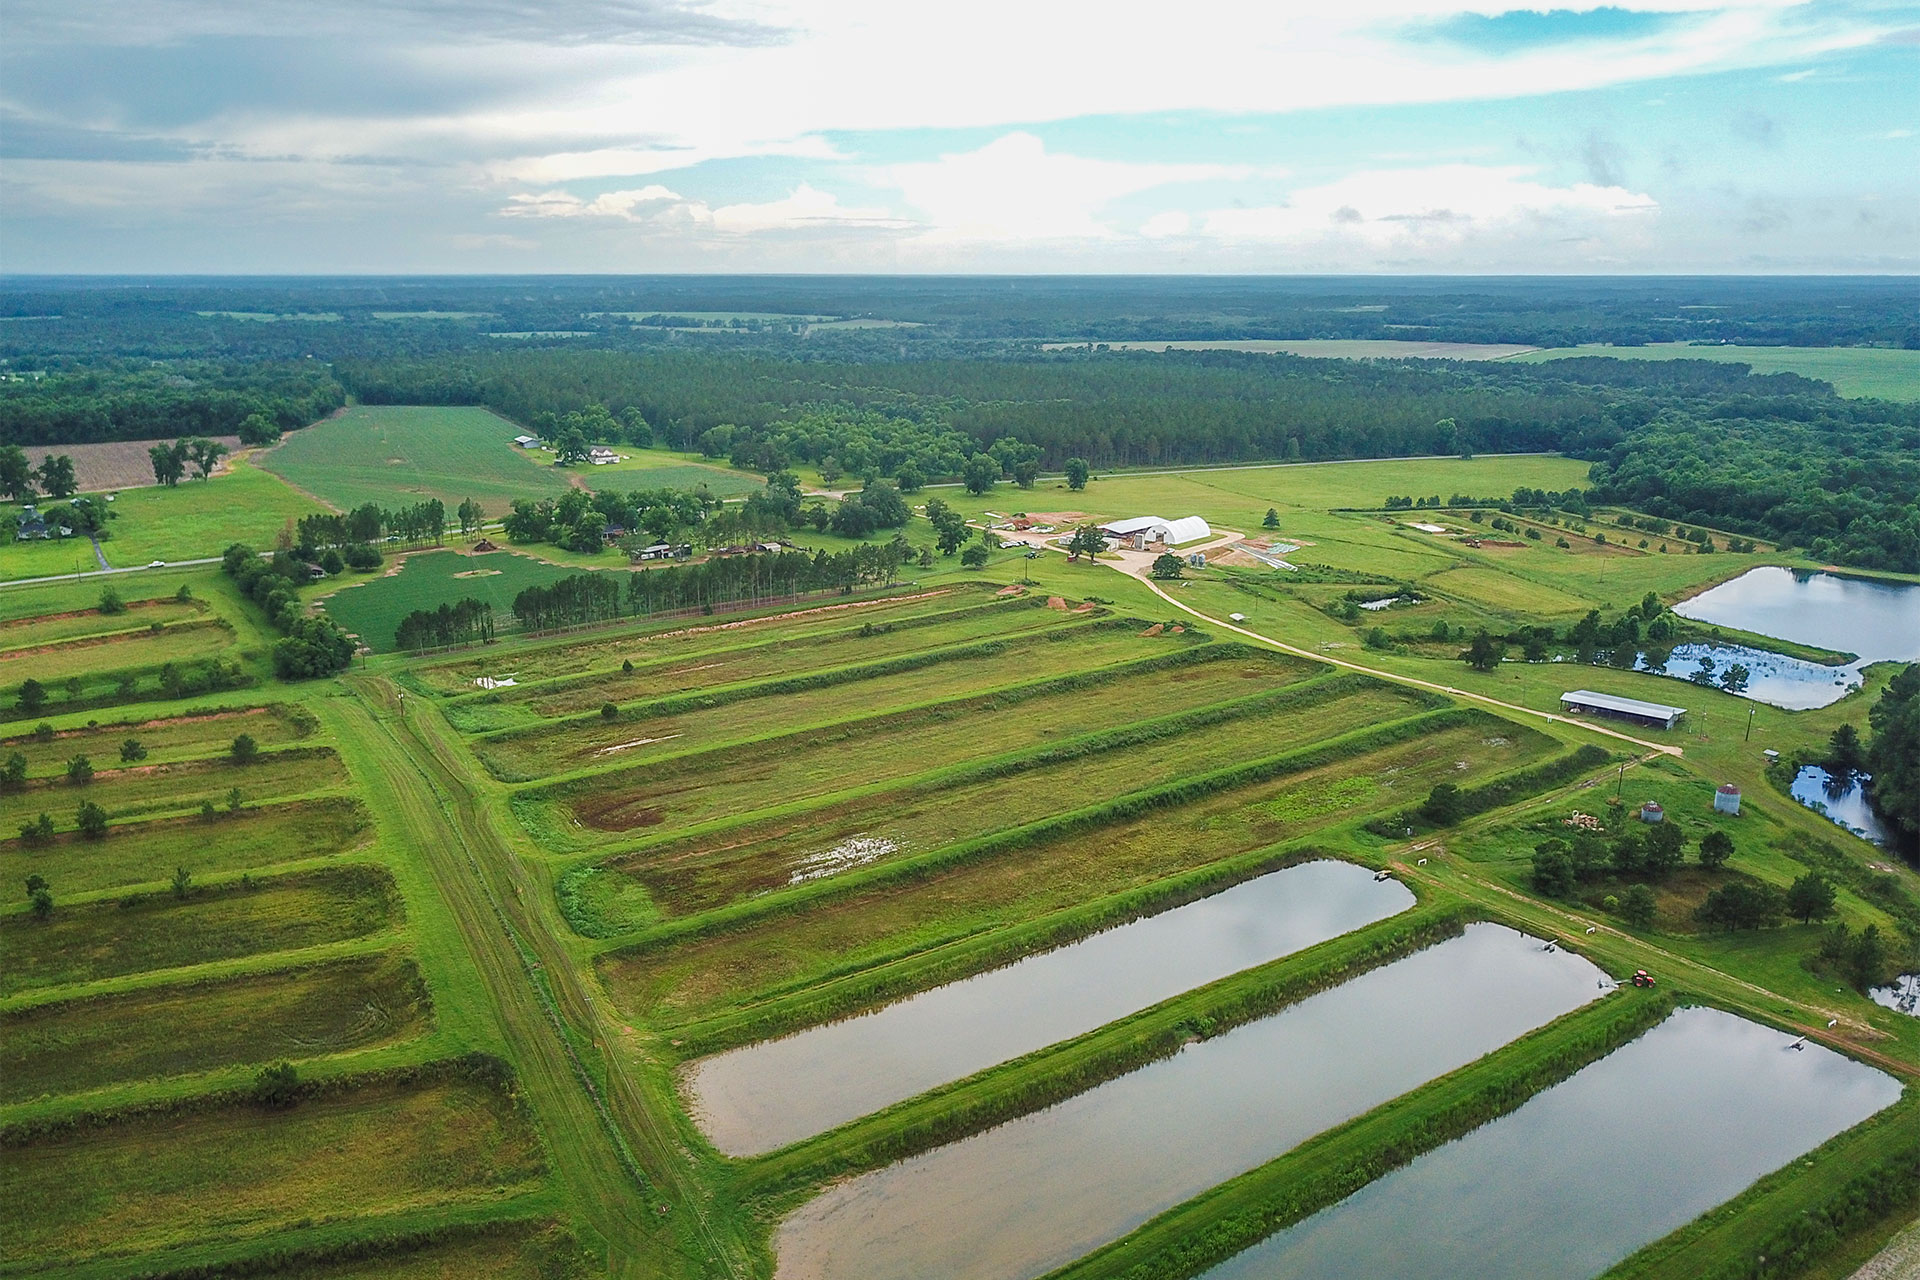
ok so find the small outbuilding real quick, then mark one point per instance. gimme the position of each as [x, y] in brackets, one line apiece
[1727, 799]
[1587, 702]
[1652, 812]
[526, 442]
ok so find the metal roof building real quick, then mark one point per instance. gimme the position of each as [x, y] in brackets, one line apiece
[1172, 532]
[1606, 704]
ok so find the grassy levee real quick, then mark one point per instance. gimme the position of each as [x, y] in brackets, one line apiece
[511, 1240]
[691, 970]
[146, 853]
[1326, 1169]
[769, 658]
[875, 753]
[138, 649]
[613, 1155]
[223, 921]
[1046, 1076]
[136, 791]
[138, 618]
[740, 712]
[81, 1044]
[167, 739]
[1791, 1219]
[1499, 792]
[643, 640]
[219, 1168]
[783, 845]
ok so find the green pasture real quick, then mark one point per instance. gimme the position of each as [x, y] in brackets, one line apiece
[148, 853]
[878, 923]
[397, 455]
[132, 791]
[660, 469]
[676, 726]
[646, 644]
[139, 649]
[165, 930]
[140, 615]
[165, 739]
[950, 805]
[372, 608]
[91, 1041]
[144, 1182]
[1884, 373]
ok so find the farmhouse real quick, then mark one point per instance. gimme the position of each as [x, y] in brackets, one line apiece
[1138, 531]
[600, 455]
[32, 525]
[1587, 702]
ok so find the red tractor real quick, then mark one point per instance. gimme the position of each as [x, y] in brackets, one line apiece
[1641, 978]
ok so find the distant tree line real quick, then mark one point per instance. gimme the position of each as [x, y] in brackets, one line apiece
[467, 622]
[133, 400]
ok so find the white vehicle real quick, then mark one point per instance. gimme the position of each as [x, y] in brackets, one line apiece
[1010, 543]
[156, 564]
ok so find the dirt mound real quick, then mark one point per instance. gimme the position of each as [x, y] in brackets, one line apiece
[1055, 602]
[1011, 591]
[1153, 630]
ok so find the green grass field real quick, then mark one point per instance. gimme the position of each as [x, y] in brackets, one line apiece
[134, 791]
[372, 608]
[1883, 373]
[397, 455]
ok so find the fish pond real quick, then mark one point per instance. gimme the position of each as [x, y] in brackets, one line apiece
[1027, 1196]
[1585, 1173]
[1842, 799]
[764, 1096]
[1792, 684]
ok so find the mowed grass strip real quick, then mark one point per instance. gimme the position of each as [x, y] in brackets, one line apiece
[167, 739]
[786, 658]
[738, 863]
[674, 727]
[126, 650]
[685, 790]
[140, 615]
[137, 790]
[162, 930]
[889, 920]
[681, 640]
[75, 1045]
[487, 1250]
[235, 1172]
[148, 852]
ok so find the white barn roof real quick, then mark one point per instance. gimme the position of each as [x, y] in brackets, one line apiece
[1171, 532]
[1121, 528]
[1607, 703]
[1186, 529]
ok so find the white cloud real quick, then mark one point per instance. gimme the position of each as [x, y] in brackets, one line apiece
[1794, 77]
[1013, 188]
[658, 207]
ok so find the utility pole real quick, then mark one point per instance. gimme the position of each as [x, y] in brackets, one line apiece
[1750, 711]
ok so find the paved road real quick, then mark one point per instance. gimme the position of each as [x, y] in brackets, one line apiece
[101, 573]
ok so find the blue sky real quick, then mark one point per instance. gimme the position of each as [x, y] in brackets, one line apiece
[1750, 136]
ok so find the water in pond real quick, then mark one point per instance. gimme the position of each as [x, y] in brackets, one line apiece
[1877, 621]
[764, 1096]
[1627, 1150]
[1793, 684]
[1021, 1199]
[1902, 997]
[1843, 800]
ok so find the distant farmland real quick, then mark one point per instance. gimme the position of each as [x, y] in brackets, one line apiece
[1884, 373]
[395, 455]
[116, 464]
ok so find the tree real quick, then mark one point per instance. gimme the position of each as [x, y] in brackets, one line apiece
[13, 774]
[1811, 897]
[16, 473]
[79, 771]
[1553, 869]
[169, 462]
[1485, 653]
[949, 526]
[35, 883]
[1845, 752]
[974, 557]
[1167, 565]
[277, 1086]
[1271, 520]
[110, 602]
[131, 752]
[91, 819]
[41, 899]
[1894, 753]
[33, 697]
[1637, 908]
[470, 515]
[244, 749]
[608, 711]
[909, 478]
[570, 446]
[1741, 904]
[1442, 805]
[1078, 473]
[258, 429]
[1666, 848]
[56, 476]
[1866, 958]
[980, 473]
[38, 833]
[206, 454]
[1086, 539]
[181, 882]
[1715, 848]
[235, 801]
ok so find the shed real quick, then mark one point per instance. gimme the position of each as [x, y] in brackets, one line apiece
[1154, 529]
[1727, 799]
[1652, 812]
[526, 442]
[1586, 701]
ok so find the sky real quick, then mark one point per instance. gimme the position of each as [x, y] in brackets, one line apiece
[1267, 136]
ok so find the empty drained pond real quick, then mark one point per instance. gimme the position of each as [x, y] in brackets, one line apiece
[764, 1096]
[1024, 1197]
[1627, 1150]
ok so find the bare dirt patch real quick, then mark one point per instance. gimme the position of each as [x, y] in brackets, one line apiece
[116, 464]
[480, 573]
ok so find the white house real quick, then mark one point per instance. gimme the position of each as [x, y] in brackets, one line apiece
[600, 455]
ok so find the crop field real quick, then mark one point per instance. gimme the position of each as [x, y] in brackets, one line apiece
[675, 726]
[147, 853]
[1327, 348]
[87, 1042]
[372, 608]
[164, 930]
[397, 455]
[880, 924]
[116, 464]
[683, 641]
[1885, 373]
[146, 1181]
